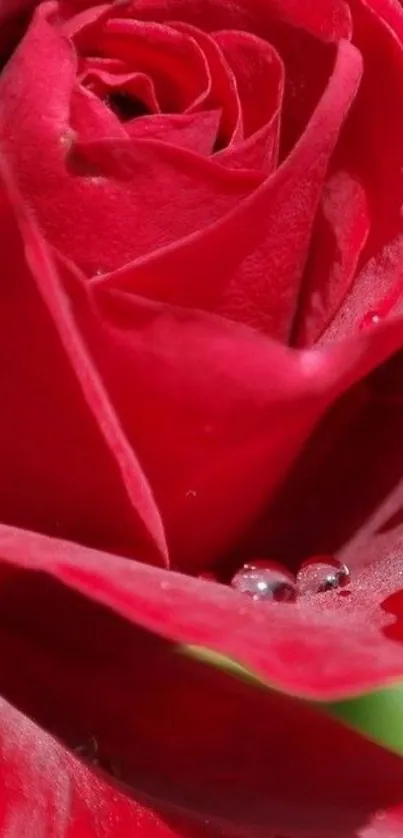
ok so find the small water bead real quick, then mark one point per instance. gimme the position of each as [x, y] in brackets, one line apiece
[373, 318]
[265, 581]
[322, 573]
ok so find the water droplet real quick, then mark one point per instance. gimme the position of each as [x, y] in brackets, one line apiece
[373, 318]
[322, 573]
[67, 139]
[264, 580]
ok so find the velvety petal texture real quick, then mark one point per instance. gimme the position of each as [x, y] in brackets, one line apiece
[201, 344]
[151, 730]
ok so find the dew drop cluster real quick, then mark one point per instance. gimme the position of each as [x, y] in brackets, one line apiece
[264, 580]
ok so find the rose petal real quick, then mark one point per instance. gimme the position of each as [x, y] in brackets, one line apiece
[256, 67]
[341, 231]
[260, 151]
[223, 471]
[162, 192]
[66, 465]
[47, 791]
[284, 645]
[205, 465]
[347, 485]
[105, 76]
[264, 289]
[308, 60]
[160, 51]
[222, 92]
[90, 118]
[331, 21]
[307, 57]
[197, 132]
[259, 76]
[381, 172]
[196, 194]
[355, 663]
[329, 373]
[172, 728]
[379, 282]
[265, 239]
[377, 290]
[216, 466]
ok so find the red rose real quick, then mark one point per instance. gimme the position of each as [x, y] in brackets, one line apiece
[200, 333]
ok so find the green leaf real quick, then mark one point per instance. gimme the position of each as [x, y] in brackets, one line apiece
[377, 715]
[227, 665]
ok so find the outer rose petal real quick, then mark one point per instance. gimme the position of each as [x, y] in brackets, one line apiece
[286, 645]
[216, 466]
[205, 464]
[49, 436]
[267, 639]
[237, 759]
[345, 492]
[241, 432]
[48, 792]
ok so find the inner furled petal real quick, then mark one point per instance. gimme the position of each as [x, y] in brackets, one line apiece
[197, 131]
[222, 91]
[372, 146]
[373, 296]
[164, 193]
[372, 143]
[90, 119]
[341, 231]
[174, 61]
[77, 25]
[265, 238]
[97, 64]
[329, 20]
[133, 197]
[260, 151]
[259, 74]
[108, 82]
